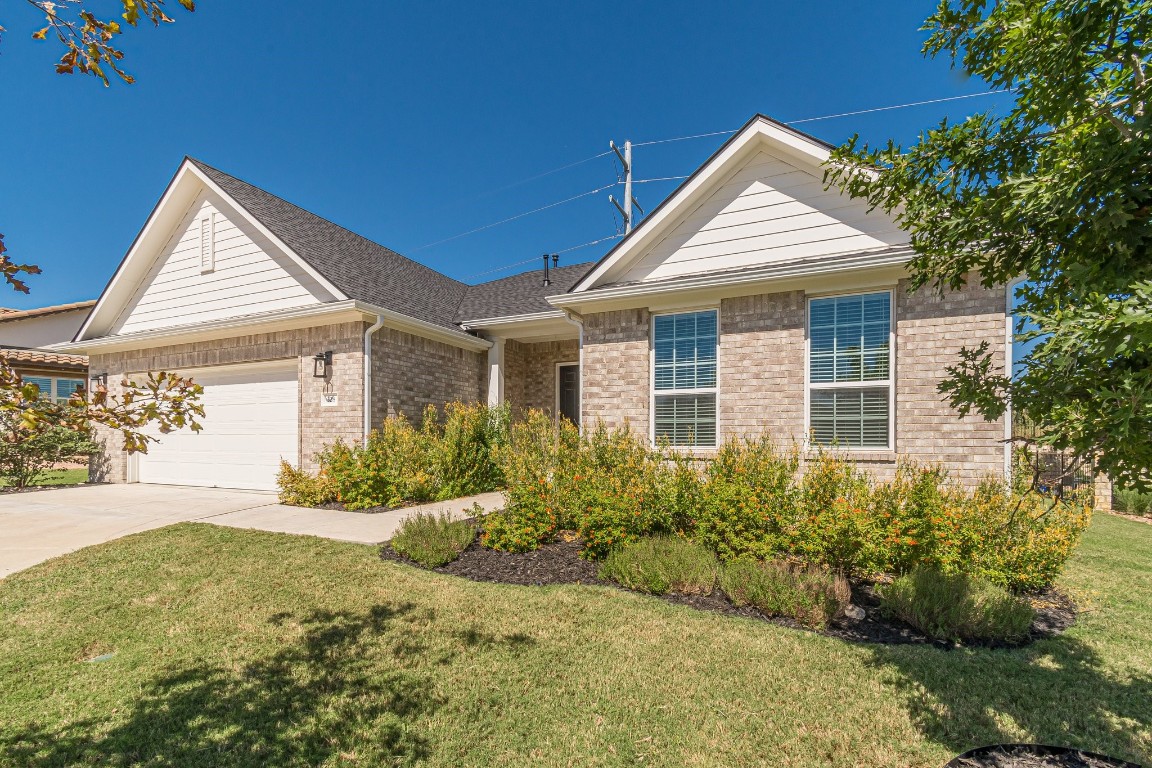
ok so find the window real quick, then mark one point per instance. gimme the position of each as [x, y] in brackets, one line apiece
[684, 378]
[58, 389]
[850, 370]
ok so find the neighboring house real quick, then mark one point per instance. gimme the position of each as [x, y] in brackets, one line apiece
[752, 300]
[25, 335]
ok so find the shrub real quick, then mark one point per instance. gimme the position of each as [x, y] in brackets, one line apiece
[956, 606]
[662, 564]
[1129, 502]
[750, 500]
[444, 458]
[301, 488]
[26, 454]
[811, 595]
[834, 525]
[432, 540]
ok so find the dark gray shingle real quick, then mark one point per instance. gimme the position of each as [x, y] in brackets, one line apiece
[520, 294]
[360, 268]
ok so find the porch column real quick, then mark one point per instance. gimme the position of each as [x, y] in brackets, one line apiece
[496, 372]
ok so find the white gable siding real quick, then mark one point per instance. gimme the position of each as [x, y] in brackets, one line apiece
[244, 274]
[765, 212]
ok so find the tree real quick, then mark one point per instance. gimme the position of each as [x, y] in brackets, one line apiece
[1057, 190]
[32, 424]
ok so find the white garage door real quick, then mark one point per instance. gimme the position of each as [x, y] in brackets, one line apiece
[251, 418]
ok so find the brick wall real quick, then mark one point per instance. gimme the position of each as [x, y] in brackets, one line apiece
[615, 379]
[317, 427]
[761, 374]
[411, 372]
[530, 371]
[930, 332]
[761, 367]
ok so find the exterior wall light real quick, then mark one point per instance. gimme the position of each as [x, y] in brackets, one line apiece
[320, 364]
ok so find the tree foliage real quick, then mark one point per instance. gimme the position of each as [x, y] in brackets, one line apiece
[35, 426]
[1057, 190]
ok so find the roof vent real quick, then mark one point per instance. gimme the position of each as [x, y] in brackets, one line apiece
[555, 261]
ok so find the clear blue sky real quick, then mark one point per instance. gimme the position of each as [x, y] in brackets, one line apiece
[412, 123]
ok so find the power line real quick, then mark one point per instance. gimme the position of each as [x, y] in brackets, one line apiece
[545, 173]
[830, 117]
[536, 259]
[662, 178]
[518, 216]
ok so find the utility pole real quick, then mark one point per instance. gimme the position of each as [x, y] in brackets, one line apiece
[629, 200]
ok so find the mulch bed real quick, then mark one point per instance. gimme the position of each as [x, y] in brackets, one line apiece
[560, 563]
[1034, 756]
[32, 488]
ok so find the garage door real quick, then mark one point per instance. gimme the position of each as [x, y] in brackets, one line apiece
[251, 418]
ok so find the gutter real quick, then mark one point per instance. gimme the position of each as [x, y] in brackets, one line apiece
[368, 375]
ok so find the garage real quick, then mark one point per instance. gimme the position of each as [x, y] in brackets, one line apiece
[251, 421]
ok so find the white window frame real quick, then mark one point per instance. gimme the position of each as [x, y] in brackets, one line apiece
[653, 393]
[54, 395]
[579, 388]
[809, 385]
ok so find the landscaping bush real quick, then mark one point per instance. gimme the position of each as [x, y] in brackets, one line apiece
[662, 564]
[301, 488]
[811, 595]
[749, 500]
[956, 607]
[432, 540]
[444, 458]
[608, 485]
[26, 454]
[1129, 502]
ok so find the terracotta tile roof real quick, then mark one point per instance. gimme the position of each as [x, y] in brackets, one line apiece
[42, 357]
[7, 315]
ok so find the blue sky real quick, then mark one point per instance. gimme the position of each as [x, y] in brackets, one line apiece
[413, 123]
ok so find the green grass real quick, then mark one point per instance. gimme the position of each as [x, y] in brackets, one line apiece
[59, 477]
[243, 648]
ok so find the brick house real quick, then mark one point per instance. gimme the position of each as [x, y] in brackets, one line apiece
[752, 300]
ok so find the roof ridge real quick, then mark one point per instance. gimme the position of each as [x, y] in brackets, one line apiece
[203, 165]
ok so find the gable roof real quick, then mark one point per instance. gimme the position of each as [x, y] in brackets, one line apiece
[520, 294]
[8, 315]
[357, 266]
[760, 131]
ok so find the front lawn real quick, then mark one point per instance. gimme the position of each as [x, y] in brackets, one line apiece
[74, 476]
[228, 647]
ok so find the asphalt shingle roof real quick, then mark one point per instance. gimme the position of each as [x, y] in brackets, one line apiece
[360, 268]
[520, 294]
[369, 272]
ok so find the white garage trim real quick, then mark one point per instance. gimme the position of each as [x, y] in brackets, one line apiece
[251, 421]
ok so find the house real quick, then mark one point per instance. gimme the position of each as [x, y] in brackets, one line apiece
[26, 338]
[752, 300]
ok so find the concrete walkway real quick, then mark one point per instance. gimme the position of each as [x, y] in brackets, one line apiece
[39, 525]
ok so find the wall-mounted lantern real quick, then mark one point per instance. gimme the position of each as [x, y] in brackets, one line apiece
[320, 364]
[99, 382]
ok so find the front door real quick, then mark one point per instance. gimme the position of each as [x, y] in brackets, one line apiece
[568, 391]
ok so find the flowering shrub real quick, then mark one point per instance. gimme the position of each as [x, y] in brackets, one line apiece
[608, 486]
[444, 458]
[301, 488]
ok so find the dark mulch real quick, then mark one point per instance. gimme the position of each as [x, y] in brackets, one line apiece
[339, 506]
[1034, 756]
[560, 563]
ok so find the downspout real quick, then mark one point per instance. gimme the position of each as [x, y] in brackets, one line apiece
[368, 375]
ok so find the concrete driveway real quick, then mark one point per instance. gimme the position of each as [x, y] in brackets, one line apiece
[39, 525]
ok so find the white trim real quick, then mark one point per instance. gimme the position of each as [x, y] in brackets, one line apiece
[652, 393]
[800, 268]
[891, 383]
[299, 317]
[485, 322]
[757, 132]
[579, 388]
[1009, 351]
[140, 250]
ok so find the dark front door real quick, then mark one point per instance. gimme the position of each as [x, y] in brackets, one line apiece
[568, 392]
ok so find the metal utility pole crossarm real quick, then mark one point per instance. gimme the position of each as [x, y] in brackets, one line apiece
[629, 200]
